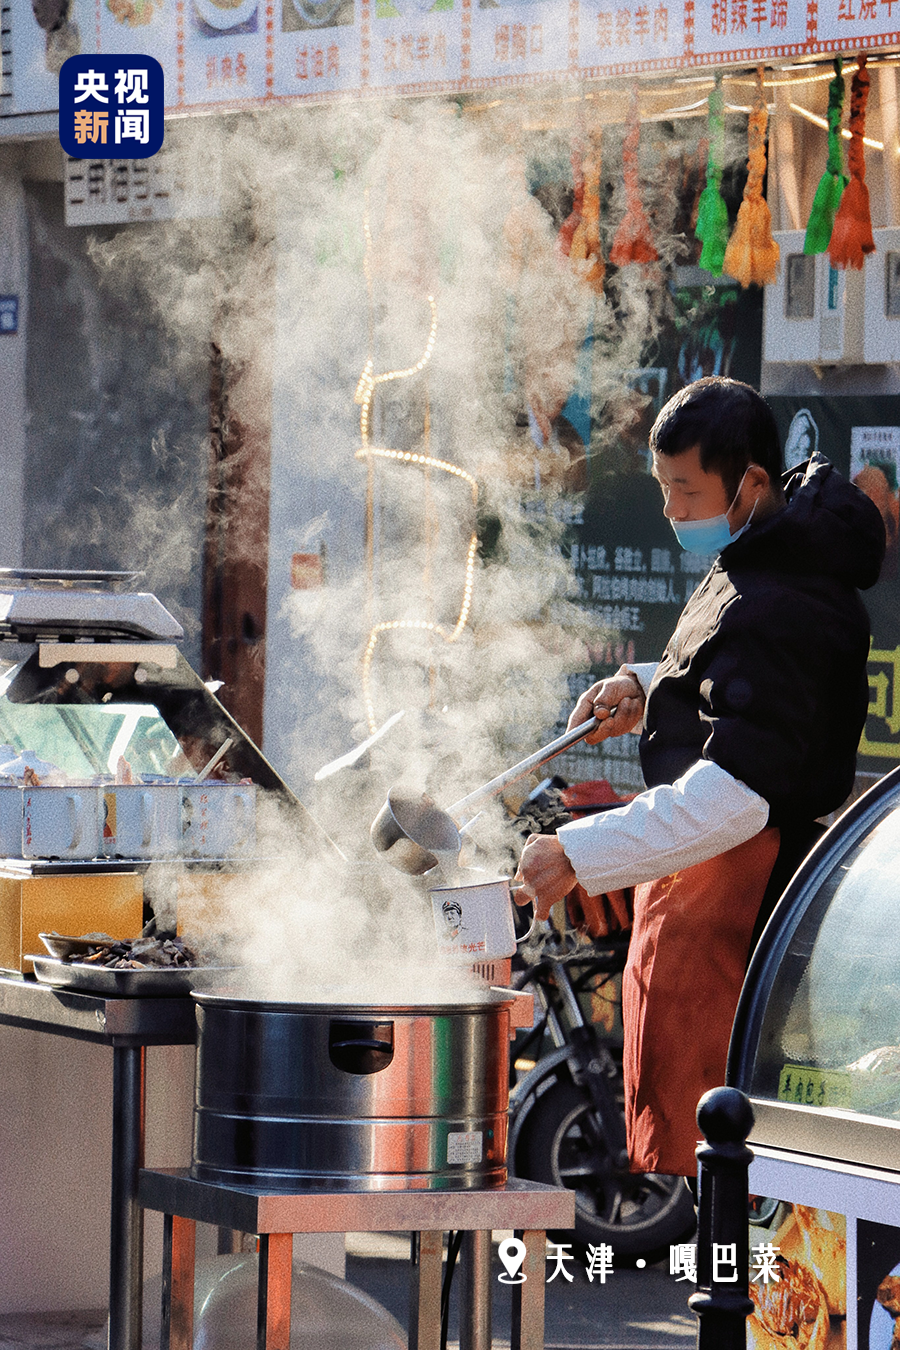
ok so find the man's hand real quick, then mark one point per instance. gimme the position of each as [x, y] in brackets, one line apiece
[618, 701]
[547, 873]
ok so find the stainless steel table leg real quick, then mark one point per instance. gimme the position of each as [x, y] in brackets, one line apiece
[179, 1248]
[425, 1291]
[528, 1297]
[126, 1230]
[475, 1292]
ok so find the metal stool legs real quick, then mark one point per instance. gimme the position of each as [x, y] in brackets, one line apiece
[424, 1331]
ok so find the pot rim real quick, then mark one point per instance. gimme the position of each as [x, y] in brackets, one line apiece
[493, 998]
[472, 885]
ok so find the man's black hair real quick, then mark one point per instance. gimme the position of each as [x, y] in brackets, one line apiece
[729, 421]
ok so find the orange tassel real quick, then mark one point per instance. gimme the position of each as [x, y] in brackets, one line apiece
[573, 219]
[586, 240]
[851, 238]
[633, 241]
[752, 254]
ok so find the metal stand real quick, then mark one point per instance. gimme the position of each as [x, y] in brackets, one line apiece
[721, 1302]
[522, 1205]
[126, 1219]
[127, 1026]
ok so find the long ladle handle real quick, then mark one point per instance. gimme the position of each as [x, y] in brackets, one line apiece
[524, 766]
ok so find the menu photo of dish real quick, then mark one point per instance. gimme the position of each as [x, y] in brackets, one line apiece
[212, 18]
[798, 1277]
[878, 1286]
[305, 15]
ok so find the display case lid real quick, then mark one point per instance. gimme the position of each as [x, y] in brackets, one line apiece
[817, 1028]
[38, 604]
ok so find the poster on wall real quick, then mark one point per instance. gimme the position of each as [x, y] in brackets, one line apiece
[861, 437]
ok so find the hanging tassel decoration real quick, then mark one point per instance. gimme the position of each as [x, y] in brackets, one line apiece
[851, 238]
[573, 219]
[820, 225]
[712, 213]
[586, 240]
[752, 254]
[633, 241]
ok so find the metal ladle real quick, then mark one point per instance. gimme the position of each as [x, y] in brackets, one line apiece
[415, 834]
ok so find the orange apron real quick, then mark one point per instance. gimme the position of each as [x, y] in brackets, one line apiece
[686, 964]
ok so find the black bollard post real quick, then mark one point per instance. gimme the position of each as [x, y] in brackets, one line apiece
[723, 1258]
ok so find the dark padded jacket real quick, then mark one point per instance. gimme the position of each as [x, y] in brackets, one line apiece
[765, 673]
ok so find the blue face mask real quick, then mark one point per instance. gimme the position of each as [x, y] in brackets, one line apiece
[713, 534]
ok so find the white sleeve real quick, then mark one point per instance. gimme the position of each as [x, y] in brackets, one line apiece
[644, 670]
[706, 812]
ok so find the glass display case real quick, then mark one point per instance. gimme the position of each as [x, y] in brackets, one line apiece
[816, 1040]
[91, 674]
[816, 1047]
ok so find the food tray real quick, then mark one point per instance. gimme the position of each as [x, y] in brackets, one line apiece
[153, 982]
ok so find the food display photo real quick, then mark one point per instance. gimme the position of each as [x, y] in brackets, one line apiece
[798, 1277]
[878, 1286]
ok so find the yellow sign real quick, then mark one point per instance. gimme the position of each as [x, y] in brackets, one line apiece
[813, 1087]
[884, 703]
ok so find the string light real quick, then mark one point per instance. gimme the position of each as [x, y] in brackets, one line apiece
[821, 122]
[364, 396]
[422, 625]
[428, 461]
[369, 382]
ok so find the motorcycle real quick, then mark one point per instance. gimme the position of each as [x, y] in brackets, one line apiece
[567, 1122]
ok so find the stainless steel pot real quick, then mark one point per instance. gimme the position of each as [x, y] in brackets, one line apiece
[304, 1096]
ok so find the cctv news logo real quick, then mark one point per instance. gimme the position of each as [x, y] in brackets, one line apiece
[111, 107]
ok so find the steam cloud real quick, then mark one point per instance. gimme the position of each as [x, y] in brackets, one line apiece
[337, 224]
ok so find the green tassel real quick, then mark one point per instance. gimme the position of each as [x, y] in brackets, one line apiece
[820, 225]
[712, 213]
[712, 228]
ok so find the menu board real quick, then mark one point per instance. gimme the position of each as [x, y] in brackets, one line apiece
[798, 1275]
[837, 1251]
[250, 52]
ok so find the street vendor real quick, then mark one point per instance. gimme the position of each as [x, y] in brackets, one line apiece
[751, 722]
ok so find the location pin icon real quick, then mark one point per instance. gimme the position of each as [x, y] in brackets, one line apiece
[512, 1254]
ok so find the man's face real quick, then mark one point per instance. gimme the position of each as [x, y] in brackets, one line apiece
[689, 492]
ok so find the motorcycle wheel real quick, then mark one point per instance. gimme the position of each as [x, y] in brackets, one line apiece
[554, 1147]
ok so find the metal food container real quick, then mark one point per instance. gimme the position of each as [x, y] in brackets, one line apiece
[10, 821]
[62, 822]
[143, 820]
[219, 819]
[305, 1096]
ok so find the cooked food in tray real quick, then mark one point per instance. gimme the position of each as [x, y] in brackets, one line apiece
[141, 953]
[143, 967]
